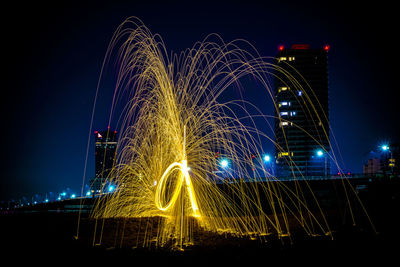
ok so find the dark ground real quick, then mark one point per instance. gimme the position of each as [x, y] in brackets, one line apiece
[48, 238]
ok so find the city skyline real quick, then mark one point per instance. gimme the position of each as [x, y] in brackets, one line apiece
[54, 64]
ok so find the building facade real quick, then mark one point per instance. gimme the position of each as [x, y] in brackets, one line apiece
[302, 112]
[372, 166]
[105, 149]
[384, 161]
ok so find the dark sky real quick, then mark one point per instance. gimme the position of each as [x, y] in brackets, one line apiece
[53, 53]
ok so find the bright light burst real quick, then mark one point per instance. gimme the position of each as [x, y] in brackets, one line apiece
[173, 117]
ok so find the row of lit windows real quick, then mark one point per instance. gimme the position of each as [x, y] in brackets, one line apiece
[285, 88]
[287, 58]
[288, 113]
[284, 154]
[285, 123]
[284, 104]
[280, 89]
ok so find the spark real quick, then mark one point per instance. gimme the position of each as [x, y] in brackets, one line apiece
[172, 117]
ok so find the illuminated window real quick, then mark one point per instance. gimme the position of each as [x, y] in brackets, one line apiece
[284, 104]
[291, 58]
[293, 113]
[283, 123]
[283, 154]
[280, 89]
[282, 58]
[284, 113]
[392, 162]
[299, 93]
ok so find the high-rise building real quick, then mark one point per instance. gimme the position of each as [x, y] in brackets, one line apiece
[302, 112]
[105, 149]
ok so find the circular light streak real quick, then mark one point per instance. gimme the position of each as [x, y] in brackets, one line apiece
[184, 176]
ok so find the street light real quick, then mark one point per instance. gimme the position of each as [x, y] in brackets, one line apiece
[320, 153]
[110, 188]
[385, 147]
[267, 158]
[224, 163]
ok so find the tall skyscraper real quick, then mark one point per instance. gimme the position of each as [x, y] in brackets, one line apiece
[302, 115]
[106, 145]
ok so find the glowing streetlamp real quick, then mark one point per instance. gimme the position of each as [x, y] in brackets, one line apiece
[385, 147]
[224, 163]
[110, 188]
[267, 158]
[320, 153]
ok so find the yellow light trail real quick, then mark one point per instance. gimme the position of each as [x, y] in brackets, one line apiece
[182, 166]
[172, 115]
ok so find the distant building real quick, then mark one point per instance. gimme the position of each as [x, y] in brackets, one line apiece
[302, 115]
[385, 161]
[105, 149]
[372, 167]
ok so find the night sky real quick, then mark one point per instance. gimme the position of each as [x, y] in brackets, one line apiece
[52, 56]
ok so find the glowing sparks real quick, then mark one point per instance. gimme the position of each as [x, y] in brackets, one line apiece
[172, 115]
[182, 166]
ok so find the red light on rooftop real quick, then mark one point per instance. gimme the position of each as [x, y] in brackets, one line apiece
[115, 132]
[281, 47]
[327, 47]
[95, 132]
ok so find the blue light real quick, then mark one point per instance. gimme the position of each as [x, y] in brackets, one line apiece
[110, 188]
[320, 153]
[63, 194]
[299, 93]
[224, 163]
[385, 147]
[88, 193]
[46, 200]
[73, 196]
[267, 158]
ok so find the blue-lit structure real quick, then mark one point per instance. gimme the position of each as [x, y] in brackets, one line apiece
[302, 118]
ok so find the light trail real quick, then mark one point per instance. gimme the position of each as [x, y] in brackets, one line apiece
[170, 114]
[182, 166]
